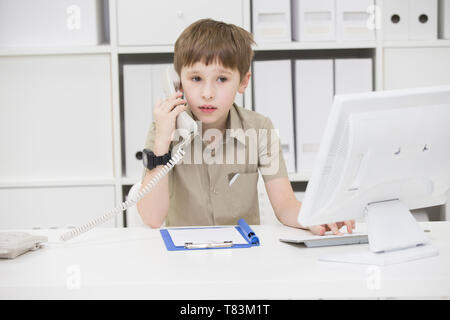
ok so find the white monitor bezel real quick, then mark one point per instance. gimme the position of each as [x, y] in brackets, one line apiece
[343, 106]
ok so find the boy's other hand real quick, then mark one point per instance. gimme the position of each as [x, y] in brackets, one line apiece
[334, 227]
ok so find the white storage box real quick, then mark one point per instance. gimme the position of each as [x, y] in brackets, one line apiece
[314, 20]
[25, 23]
[415, 67]
[423, 17]
[353, 75]
[444, 19]
[354, 21]
[273, 98]
[272, 21]
[313, 98]
[58, 118]
[143, 22]
[395, 19]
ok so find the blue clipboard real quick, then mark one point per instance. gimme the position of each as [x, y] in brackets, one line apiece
[243, 228]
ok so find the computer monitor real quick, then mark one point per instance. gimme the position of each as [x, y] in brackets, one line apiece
[381, 155]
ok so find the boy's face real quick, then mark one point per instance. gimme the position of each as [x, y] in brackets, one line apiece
[210, 91]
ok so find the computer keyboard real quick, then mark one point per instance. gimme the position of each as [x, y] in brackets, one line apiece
[326, 241]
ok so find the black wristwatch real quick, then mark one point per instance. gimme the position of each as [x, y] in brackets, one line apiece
[152, 161]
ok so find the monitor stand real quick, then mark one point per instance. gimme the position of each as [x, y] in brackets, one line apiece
[394, 237]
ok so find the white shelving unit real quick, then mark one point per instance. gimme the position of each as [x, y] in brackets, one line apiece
[52, 51]
[379, 49]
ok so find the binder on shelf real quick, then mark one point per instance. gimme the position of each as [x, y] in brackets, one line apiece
[142, 86]
[423, 19]
[273, 98]
[313, 96]
[313, 20]
[217, 237]
[444, 19]
[395, 19]
[272, 21]
[353, 75]
[354, 20]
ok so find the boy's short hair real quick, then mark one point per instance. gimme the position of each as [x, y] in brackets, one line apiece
[210, 41]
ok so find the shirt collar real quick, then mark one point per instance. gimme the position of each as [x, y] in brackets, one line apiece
[235, 123]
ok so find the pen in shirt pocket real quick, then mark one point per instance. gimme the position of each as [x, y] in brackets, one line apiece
[233, 179]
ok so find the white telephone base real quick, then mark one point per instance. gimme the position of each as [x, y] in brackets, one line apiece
[13, 244]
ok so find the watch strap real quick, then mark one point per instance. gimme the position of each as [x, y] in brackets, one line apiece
[153, 160]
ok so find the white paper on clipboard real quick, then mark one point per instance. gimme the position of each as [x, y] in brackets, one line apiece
[206, 235]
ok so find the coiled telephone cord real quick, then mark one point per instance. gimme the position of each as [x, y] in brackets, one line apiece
[177, 157]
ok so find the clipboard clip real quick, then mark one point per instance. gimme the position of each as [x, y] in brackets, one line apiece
[191, 245]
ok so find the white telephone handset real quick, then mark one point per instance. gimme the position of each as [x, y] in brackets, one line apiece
[184, 121]
[171, 84]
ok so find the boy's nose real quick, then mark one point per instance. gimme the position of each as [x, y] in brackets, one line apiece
[207, 92]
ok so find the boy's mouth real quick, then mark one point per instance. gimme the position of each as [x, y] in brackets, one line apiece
[207, 108]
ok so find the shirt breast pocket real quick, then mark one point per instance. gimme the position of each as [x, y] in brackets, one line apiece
[244, 197]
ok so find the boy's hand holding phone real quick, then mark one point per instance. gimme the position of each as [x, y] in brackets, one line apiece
[165, 114]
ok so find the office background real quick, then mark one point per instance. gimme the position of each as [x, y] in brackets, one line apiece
[78, 80]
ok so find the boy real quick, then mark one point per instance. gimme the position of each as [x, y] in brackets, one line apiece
[213, 60]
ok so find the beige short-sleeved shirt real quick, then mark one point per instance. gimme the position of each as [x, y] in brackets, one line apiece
[199, 187]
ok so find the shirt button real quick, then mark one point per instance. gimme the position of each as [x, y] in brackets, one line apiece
[214, 191]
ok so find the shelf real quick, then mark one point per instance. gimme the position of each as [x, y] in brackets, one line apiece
[284, 46]
[417, 43]
[316, 45]
[264, 46]
[146, 49]
[295, 45]
[57, 183]
[104, 48]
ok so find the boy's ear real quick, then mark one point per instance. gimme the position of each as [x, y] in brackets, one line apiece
[244, 83]
[180, 86]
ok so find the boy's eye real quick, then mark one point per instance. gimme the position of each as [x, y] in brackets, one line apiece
[196, 78]
[222, 79]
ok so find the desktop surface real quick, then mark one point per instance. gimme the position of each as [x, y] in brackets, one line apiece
[133, 263]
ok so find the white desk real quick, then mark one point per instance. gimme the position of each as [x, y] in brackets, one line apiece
[133, 263]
